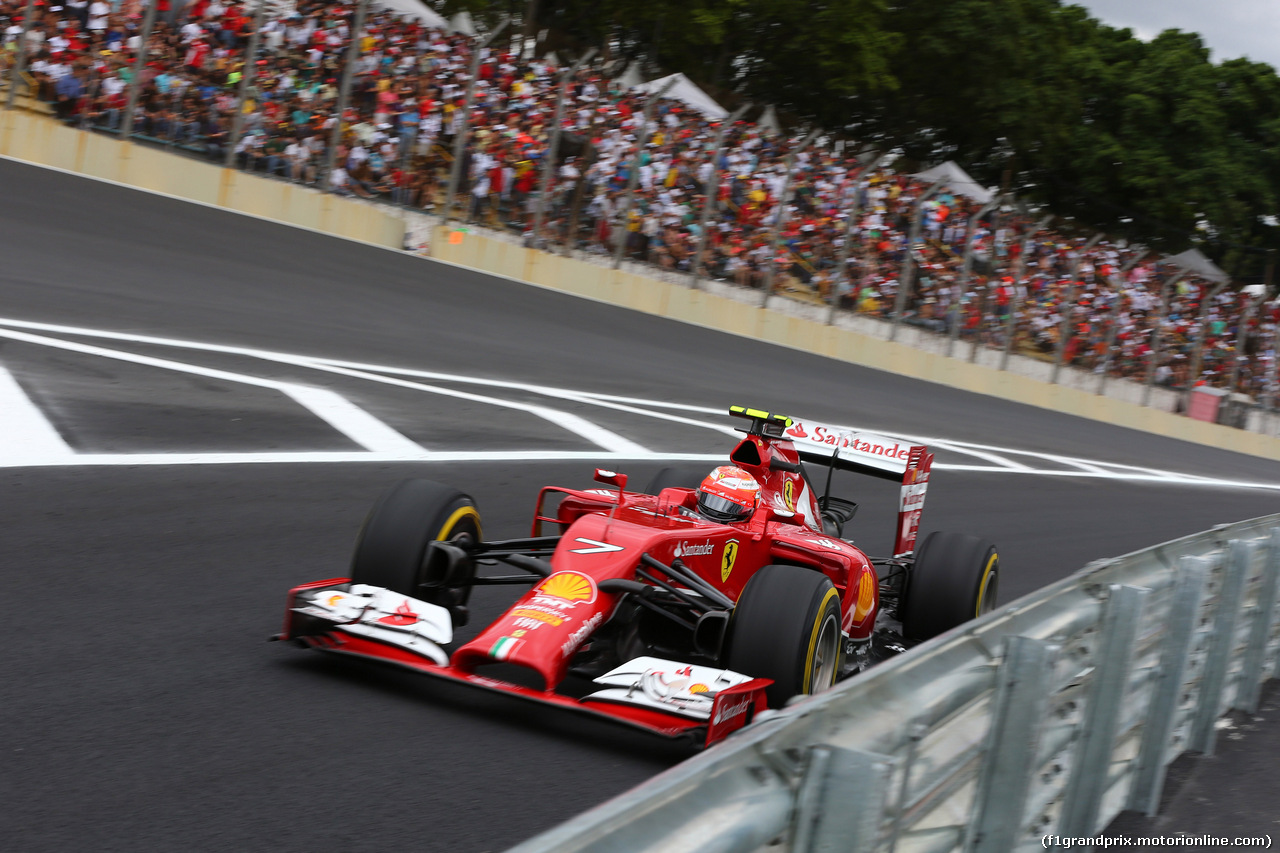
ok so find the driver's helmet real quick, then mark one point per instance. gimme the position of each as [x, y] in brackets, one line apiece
[728, 494]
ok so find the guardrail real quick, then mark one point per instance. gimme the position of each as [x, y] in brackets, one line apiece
[1048, 716]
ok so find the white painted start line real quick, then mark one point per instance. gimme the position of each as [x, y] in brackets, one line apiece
[28, 439]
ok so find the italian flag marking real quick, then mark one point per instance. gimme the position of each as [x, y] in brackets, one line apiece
[504, 647]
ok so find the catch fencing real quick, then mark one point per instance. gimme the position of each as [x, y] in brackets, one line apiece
[1049, 716]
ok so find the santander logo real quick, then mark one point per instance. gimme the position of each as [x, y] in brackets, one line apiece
[876, 445]
[688, 549]
[729, 710]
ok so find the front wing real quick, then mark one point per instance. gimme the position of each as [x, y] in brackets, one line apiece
[668, 698]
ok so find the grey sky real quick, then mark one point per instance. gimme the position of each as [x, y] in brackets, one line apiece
[1230, 28]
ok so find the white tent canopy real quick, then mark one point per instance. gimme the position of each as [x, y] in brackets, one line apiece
[461, 23]
[415, 10]
[959, 182]
[630, 78]
[1194, 262]
[769, 120]
[685, 90]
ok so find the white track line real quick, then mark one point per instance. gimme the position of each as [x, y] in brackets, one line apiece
[955, 447]
[598, 435]
[351, 420]
[311, 457]
[366, 431]
[388, 445]
[24, 430]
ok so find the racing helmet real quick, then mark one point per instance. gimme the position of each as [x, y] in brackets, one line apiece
[728, 494]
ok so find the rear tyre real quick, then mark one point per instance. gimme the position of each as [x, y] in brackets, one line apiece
[393, 541]
[956, 577]
[786, 626]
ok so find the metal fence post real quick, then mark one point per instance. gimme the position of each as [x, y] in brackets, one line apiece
[1242, 329]
[1221, 641]
[247, 75]
[549, 161]
[775, 233]
[464, 132]
[850, 222]
[1197, 358]
[1068, 303]
[1157, 333]
[1015, 299]
[1180, 625]
[1113, 317]
[633, 177]
[1015, 302]
[826, 819]
[966, 270]
[1269, 388]
[20, 61]
[139, 67]
[906, 281]
[1255, 656]
[1023, 684]
[712, 190]
[344, 94]
[1114, 659]
[916, 732]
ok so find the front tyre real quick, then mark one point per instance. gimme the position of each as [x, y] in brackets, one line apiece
[786, 627]
[393, 541]
[956, 577]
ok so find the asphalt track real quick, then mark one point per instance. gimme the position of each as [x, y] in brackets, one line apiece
[142, 709]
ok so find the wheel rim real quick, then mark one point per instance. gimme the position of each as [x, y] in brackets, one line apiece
[826, 656]
[462, 528]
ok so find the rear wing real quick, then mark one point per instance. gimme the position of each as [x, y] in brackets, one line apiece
[862, 452]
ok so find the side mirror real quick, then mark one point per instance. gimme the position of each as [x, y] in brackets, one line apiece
[611, 478]
[777, 514]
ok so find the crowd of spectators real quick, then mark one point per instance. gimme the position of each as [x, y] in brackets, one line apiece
[407, 105]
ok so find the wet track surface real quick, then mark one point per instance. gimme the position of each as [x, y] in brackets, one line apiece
[143, 709]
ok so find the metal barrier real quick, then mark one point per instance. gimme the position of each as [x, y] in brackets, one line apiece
[1048, 716]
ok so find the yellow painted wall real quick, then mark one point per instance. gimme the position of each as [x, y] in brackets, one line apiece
[42, 140]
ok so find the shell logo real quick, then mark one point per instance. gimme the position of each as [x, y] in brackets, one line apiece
[695, 689]
[866, 594]
[569, 586]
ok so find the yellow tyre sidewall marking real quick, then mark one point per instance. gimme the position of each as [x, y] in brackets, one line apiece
[813, 636]
[446, 530]
[982, 585]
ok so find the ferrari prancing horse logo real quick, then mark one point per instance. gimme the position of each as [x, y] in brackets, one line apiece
[726, 559]
[789, 495]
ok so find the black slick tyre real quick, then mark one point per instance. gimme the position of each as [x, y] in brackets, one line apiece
[956, 577]
[393, 541]
[786, 627]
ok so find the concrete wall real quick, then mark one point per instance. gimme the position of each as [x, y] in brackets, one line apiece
[678, 302]
[42, 140]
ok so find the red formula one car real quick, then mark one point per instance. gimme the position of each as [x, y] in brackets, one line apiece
[682, 611]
